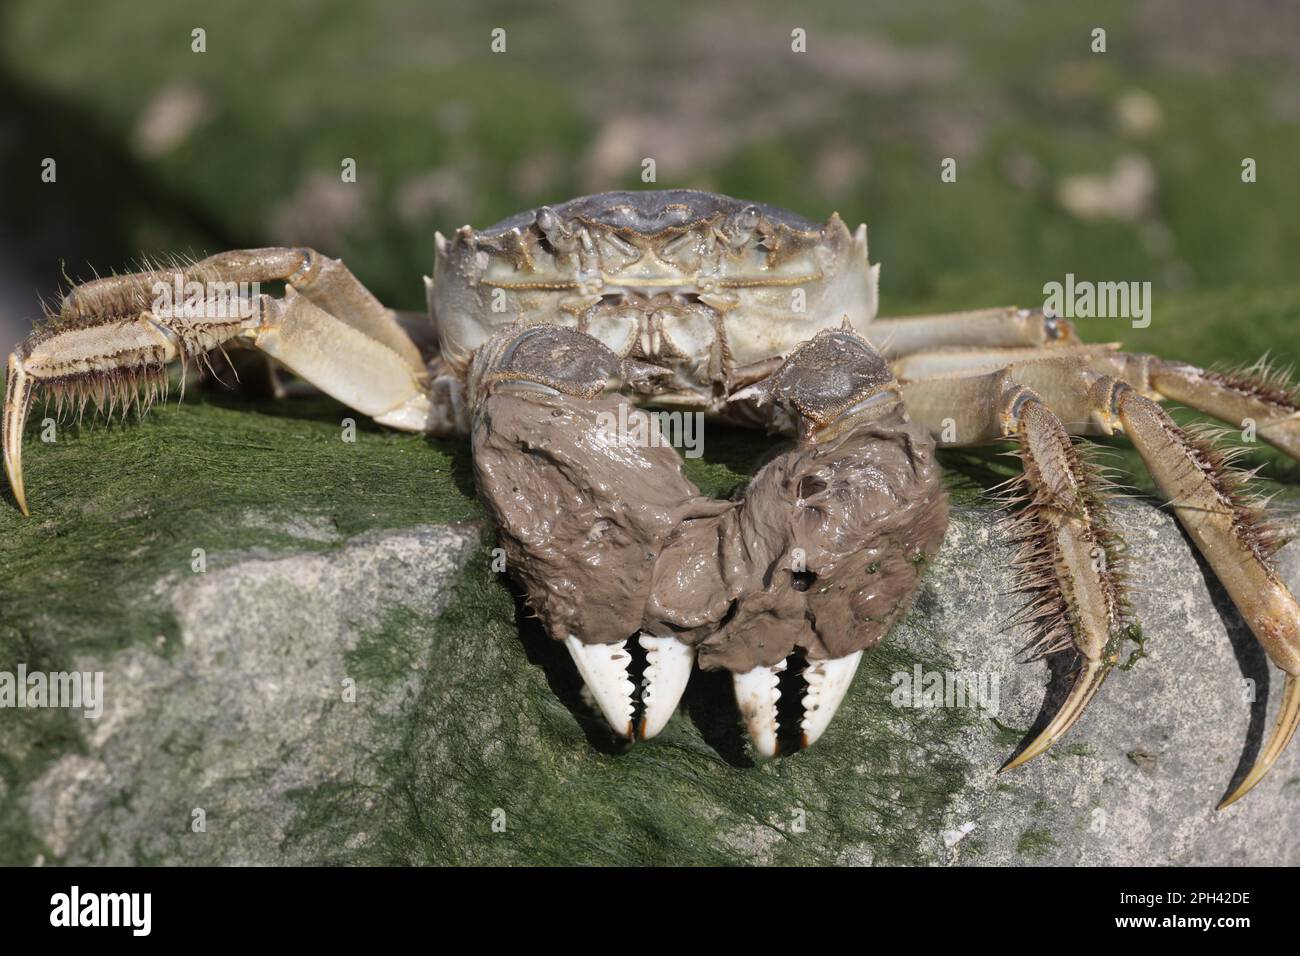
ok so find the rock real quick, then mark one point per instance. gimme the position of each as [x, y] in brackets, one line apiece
[279, 685]
[468, 742]
[1137, 779]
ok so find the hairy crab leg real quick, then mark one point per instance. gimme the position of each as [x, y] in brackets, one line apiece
[113, 365]
[1265, 396]
[1226, 528]
[113, 339]
[1206, 494]
[1068, 557]
[1258, 393]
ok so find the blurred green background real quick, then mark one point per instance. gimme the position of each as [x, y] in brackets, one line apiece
[1123, 165]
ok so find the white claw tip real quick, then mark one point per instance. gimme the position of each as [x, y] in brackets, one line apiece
[828, 682]
[757, 692]
[604, 668]
[668, 668]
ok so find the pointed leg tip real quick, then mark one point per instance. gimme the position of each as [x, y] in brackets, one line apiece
[16, 487]
[17, 404]
[1257, 773]
[1086, 685]
[1288, 719]
[1036, 749]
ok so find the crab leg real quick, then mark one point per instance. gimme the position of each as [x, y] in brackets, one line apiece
[1259, 393]
[1009, 327]
[1068, 557]
[113, 364]
[1207, 502]
[326, 282]
[1205, 493]
[950, 363]
[112, 342]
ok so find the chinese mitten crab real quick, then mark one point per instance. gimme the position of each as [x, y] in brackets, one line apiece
[554, 327]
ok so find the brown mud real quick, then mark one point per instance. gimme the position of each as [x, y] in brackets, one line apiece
[822, 554]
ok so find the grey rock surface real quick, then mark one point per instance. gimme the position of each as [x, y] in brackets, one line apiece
[1137, 780]
[197, 758]
[249, 722]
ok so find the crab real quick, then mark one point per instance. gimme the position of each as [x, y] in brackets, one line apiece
[554, 331]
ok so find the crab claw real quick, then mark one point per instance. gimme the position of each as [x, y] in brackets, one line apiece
[1087, 681]
[18, 402]
[1284, 728]
[668, 668]
[828, 682]
[757, 692]
[604, 668]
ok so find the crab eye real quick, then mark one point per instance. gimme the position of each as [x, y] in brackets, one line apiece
[553, 228]
[743, 224]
